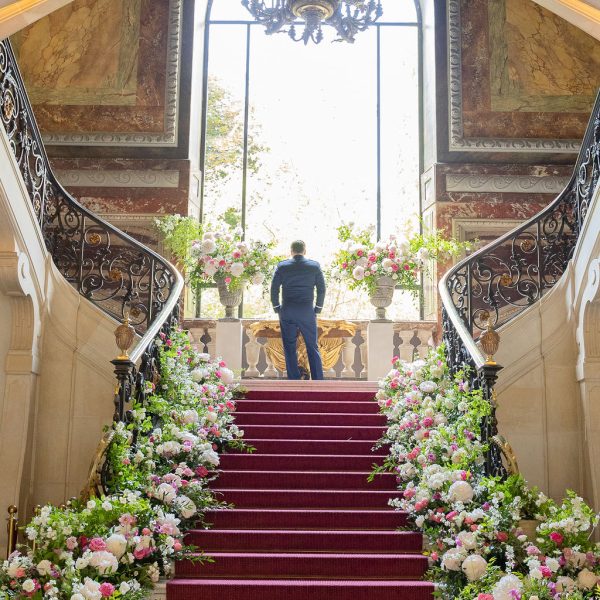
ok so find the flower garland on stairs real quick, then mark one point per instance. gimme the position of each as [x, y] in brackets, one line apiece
[477, 544]
[159, 466]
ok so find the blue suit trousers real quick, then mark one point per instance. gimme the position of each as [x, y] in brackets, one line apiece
[294, 318]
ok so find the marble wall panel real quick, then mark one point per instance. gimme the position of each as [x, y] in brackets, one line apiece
[519, 79]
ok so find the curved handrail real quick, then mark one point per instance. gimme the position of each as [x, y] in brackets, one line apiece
[501, 280]
[504, 278]
[105, 265]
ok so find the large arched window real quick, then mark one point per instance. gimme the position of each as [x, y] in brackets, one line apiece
[299, 139]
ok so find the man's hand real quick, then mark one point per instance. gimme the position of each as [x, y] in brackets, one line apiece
[317, 310]
[276, 309]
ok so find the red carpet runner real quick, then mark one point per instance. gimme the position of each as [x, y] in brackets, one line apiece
[307, 525]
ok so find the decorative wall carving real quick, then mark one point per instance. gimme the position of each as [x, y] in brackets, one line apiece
[119, 179]
[517, 184]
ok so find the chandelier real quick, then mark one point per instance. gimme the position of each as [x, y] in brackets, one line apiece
[348, 17]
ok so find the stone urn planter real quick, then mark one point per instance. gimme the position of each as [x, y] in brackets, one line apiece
[230, 299]
[529, 527]
[381, 297]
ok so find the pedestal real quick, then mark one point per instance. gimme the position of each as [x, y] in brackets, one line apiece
[229, 344]
[380, 349]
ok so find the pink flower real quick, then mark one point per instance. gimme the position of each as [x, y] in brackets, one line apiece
[222, 363]
[557, 538]
[395, 359]
[394, 267]
[71, 543]
[427, 422]
[227, 280]
[532, 550]
[97, 544]
[502, 536]
[106, 589]
[359, 253]
[420, 505]
[177, 546]
[451, 515]
[545, 571]
[409, 493]
[201, 471]
[485, 597]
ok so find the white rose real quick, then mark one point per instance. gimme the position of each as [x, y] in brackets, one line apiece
[358, 273]
[81, 563]
[227, 375]
[407, 471]
[503, 590]
[452, 559]
[257, 278]
[440, 419]
[44, 567]
[91, 589]
[209, 235]
[116, 544]
[461, 491]
[474, 567]
[77, 596]
[124, 587]
[211, 457]
[387, 263]
[198, 375]
[166, 493]
[468, 540]
[208, 246]
[552, 564]
[29, 585]
[187, 508]
[189, 416]
[237, 269]
[105, 562]
[423, 254]
[13, 567]
[586, 580]
[211, 416]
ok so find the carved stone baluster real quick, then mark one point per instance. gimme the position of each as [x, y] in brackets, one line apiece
[212, 344]
[348, 358]
[364, 355]
[252, 355]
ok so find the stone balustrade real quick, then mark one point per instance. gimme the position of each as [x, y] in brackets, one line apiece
[366, 355]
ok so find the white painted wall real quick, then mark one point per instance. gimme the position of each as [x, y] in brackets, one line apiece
[56, 382]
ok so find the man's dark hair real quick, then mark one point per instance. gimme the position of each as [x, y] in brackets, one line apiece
[298, 247]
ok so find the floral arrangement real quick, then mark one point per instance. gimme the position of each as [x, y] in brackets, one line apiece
[478, 548]
[213, 253]
[361, 261]
[159, 467]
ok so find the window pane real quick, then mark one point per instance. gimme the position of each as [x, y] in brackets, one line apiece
[229, 10]
[398, 11]
[225, 119]
[399, 130]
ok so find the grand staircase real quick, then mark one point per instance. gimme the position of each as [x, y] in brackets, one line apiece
[307, 525]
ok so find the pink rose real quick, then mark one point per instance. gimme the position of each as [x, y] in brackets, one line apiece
[420, 505]
[409, 493]
[502, 536]
[227, 280]
[485, 597]
[557, 538]
[97, 544]
[177, 546]
[71, 543]
[545, 571]
[106, 589]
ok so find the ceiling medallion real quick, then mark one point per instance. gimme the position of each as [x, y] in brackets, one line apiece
[347, 17]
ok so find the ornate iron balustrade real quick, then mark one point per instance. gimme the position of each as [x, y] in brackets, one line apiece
[109, 268]
[500, 281]
[105, 265]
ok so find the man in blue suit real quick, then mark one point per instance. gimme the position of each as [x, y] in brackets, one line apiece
[299, 276]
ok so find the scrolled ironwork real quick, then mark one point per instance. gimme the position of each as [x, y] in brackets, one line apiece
[501, 280]
[105, 265]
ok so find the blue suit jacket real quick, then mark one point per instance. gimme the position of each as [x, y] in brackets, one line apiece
[299, 277]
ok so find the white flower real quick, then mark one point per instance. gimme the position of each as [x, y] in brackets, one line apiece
[237, 269]
[211, 416]
[461, 491]
[257, 278]
[474, 567]
[81, 563]
[452, 559]
[105, 562]
[209, 235]
[199, 374]
[552, 564]
[423, 254]
[208, 246]
[227, 375]
[77, 596]
[44, 567]
[358, 273]
[428, 387]
[387, 263]
[90, 589]
[29, 585]
[116, 544]
[189, 416]
[586, 580]
[124, 587]
[187, 508]
[154, 572]
[468, 540]
[90, 505]
[166, 493]
[407, 471]
[504, 588]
